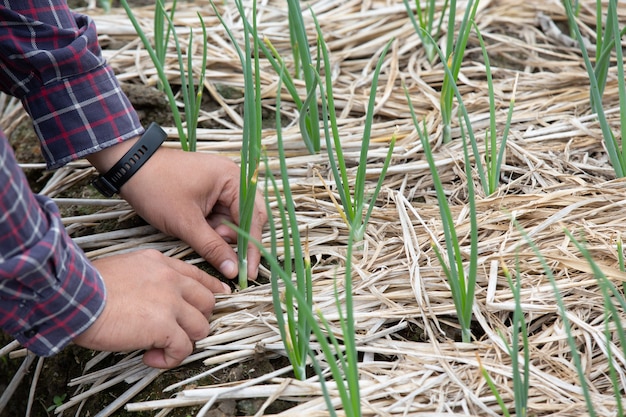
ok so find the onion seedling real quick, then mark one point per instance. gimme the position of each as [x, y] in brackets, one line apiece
[611, 39]
[455, 50]
[425, 21]
[494, 154]
[566, 322]
[294, 328]
[521, 371]
[612, 298]
[297, 301]
[295, 314]
[252, 129]
[489, 174]
[191, 98]
[353, 204]
[462, 283]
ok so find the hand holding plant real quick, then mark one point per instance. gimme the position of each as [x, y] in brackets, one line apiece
[195, 211]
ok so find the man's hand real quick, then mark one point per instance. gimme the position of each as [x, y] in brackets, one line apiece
[190, 195]
[155, 303]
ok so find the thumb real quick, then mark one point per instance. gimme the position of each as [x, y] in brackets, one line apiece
[211, 246]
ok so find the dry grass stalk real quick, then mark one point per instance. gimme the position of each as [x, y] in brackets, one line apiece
[556, 175]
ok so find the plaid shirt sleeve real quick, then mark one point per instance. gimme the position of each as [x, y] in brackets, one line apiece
[51, 61]
[49, 291]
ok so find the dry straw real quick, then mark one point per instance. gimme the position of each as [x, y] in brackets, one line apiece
[555, 175]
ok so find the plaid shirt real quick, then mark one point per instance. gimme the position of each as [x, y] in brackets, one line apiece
[51, 61]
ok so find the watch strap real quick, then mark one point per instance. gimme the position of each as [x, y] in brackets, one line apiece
[110, 183]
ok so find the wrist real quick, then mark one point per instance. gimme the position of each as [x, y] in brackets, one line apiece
[119, 163]
[105, 159]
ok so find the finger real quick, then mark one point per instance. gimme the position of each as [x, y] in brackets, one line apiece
[210, 245]
[226, 232]
[194, 322]
[209, 282]
[170, 351]
[199, 297]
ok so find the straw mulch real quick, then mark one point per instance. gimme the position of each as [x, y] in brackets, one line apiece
[556, 176]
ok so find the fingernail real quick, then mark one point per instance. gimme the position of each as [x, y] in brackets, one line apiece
[228, 268]
[227, 289]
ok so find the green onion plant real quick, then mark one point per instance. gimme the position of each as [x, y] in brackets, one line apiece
[521, 371]
[494, 152]
[192, 98]
[606, 41]
[353, 204]
[252, 129]
[455, 50]
[296, 317]
[424, 21]
[613, 300]
[309, 114]
[294, 326]
[566, 323]
[489, 174]
[342, 360]
[462, 281]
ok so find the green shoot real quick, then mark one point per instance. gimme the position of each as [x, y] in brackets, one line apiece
[620, 259]
[252, 129]
[309, 114]
[521, 383]
[521, 372]
[352, 204]
[611, 297]
[494, 154]
[57, 401]
[162, 32]
[462, 283]
[453, 59]
[303, 61]
[295, 329]
[342, 360]
[597, 79]
[425, 22]
[566, 323]
[494, 388]
[191, 97]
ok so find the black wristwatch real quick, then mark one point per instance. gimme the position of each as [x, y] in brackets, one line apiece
[110, 183]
